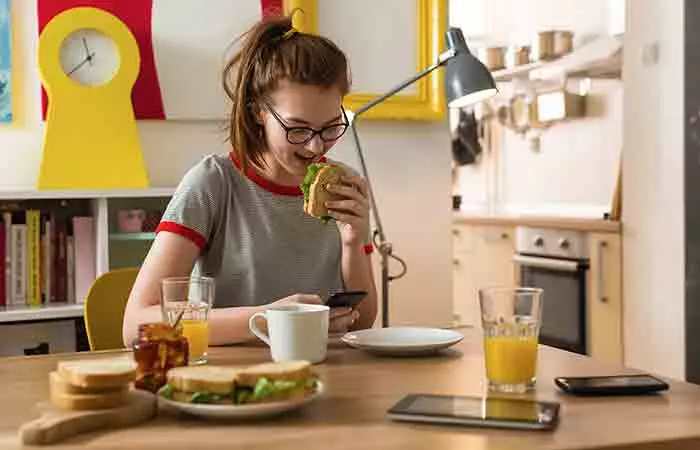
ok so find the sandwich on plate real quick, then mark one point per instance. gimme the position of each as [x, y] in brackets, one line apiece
[226, 385]
[318, 176]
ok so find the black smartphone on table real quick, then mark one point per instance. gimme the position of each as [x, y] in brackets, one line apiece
[611, 385]
[347, 299]
[489, 412]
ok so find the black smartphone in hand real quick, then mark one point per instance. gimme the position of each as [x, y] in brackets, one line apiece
[347, 299]
[611, 385]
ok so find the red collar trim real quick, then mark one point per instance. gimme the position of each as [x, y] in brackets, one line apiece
[266, 184]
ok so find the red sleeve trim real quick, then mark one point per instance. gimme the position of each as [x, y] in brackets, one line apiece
[369, 249]
[183, 231]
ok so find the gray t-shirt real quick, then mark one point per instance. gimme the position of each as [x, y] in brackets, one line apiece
[254, 237]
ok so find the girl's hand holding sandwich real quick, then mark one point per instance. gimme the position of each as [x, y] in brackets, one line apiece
[352, 212]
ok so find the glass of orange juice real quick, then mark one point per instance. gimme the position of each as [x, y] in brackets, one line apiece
[187, 301]
[510, 318]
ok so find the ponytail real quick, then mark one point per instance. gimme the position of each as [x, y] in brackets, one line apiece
[272, 51]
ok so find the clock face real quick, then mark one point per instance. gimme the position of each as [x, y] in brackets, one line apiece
[89, 57]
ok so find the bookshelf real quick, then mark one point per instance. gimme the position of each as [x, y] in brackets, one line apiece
[114, 247]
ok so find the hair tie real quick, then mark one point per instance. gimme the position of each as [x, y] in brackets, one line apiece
[289, 33]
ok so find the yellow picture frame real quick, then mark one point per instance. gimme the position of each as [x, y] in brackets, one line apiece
[428, 102]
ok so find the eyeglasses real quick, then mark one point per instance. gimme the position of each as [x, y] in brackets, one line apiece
[302, 135]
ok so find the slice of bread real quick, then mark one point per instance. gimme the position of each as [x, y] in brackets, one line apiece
[318, 194]
[98, 373]
[213, 379]
[287, 371]
[60, 384]
[82, 402]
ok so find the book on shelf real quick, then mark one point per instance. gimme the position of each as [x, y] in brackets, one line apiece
[70, 268]
[85, 255]
[18, 241]
[3, 293]
[60, 286]
[42, 259]
[46, 256]
[33, 257]
[7, 273]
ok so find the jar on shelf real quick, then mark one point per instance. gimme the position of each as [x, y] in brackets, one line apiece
[158, 348]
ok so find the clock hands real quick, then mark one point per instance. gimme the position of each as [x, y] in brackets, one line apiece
[88, 58]
[87, 51]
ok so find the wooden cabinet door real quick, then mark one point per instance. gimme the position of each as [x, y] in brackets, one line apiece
[466, 304]
[604, 303]
[483, 257]
[494, 248]
[464, 300]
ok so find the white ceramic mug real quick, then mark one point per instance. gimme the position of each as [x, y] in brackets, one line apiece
[296, 331]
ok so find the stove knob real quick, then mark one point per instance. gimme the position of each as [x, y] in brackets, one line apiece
[564, 244]
[538, 242]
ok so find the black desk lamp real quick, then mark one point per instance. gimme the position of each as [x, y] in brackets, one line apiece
[467, 82]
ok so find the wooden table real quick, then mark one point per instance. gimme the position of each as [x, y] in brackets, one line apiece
[361, 387]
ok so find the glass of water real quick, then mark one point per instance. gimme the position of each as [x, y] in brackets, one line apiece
[510, 318]
[187, 301]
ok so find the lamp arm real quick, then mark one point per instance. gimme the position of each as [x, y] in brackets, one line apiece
[365, 174]
[442, 59]
[385, 247]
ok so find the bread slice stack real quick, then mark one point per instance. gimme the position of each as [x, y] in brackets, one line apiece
[92, 384]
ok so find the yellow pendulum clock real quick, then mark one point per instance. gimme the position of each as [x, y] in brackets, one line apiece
[88, 62]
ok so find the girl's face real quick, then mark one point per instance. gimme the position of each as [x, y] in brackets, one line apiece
[293, 106]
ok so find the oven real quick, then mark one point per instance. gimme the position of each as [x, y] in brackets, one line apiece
[557, 262]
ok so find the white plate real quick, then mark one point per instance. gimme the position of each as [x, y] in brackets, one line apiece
[242, 412]
[402, 341]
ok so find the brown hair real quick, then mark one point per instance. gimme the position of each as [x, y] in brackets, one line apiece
[272, 51]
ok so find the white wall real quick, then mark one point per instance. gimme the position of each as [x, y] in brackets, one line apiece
[409, 163]
[653, 213]
[575, 170]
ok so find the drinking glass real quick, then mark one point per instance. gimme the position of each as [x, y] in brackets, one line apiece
[186, 302]
[510, 318]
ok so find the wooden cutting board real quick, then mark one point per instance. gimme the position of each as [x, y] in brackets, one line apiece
[57, 424]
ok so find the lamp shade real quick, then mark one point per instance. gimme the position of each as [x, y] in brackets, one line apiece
[467, 80]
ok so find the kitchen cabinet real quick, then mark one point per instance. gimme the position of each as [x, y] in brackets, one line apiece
[604, 301]
[483, 256]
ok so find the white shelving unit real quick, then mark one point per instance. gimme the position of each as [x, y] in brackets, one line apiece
[6, 195]
[103, 211]
[600, 58]
[51, 312]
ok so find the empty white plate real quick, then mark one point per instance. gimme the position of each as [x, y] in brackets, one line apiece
[402, 341]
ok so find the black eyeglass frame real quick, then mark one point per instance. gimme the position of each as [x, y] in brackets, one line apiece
[288, 130]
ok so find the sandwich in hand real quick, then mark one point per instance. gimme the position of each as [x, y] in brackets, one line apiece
[318, 176]
[262, 383]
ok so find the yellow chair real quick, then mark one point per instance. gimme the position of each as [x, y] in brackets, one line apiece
[104, 308]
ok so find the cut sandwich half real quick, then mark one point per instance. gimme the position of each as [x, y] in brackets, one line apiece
[318, 176]
[201, 384]
[234, 385]
[275, 382]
